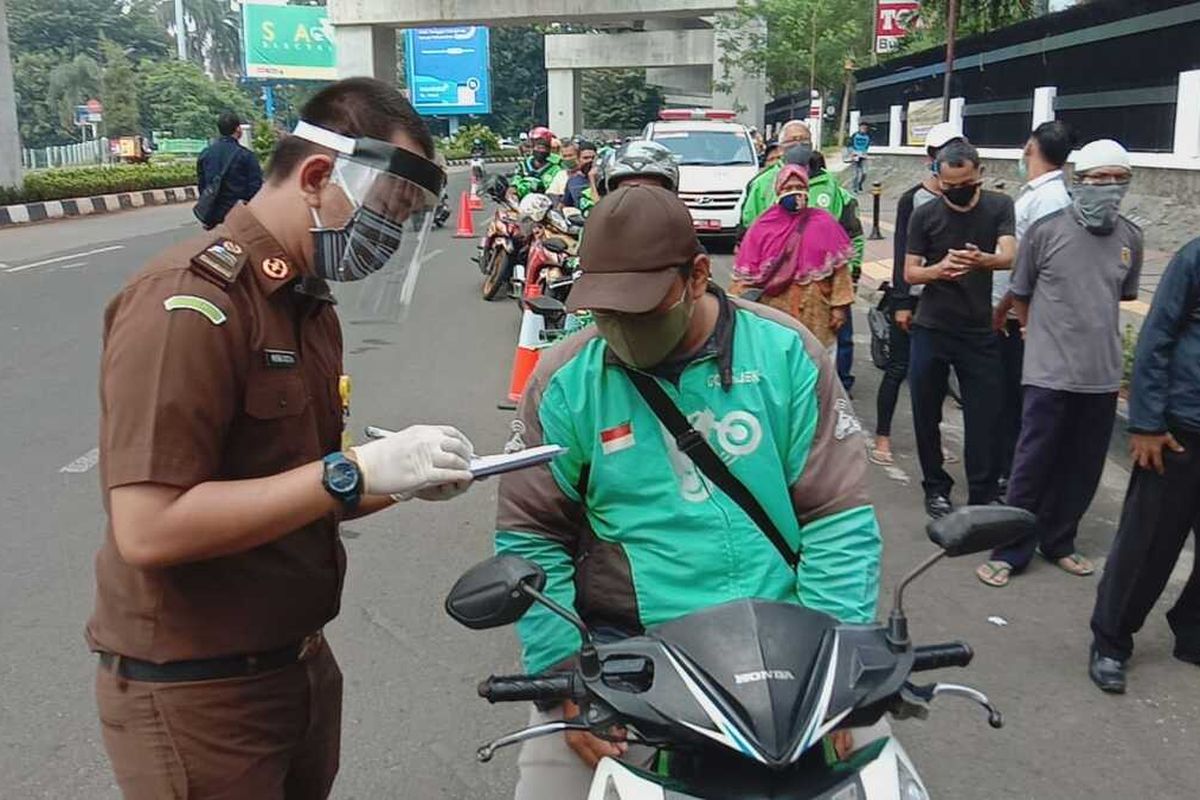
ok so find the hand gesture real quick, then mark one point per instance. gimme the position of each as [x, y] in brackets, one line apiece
[1147, 450]
[427, 461]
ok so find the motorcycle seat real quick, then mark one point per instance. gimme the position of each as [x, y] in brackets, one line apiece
[545, 306]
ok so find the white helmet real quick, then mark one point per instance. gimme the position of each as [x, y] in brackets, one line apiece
[639, 157]
[535, 206]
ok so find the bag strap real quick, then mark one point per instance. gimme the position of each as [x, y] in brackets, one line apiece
[692, 444]
[220, 178]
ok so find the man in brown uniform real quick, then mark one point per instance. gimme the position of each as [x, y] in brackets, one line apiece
[220, 442]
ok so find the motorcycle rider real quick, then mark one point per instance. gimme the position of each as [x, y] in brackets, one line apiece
[627, 530]
[535, 173]
[579, 182]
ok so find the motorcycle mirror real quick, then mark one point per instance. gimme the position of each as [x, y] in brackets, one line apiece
[973, 529]
[555, 246]
[491, 594]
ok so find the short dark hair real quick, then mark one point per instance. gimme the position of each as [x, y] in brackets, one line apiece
[584, 144]
[228, 123]
[353, 107]
[1055, 140]
[958, 153]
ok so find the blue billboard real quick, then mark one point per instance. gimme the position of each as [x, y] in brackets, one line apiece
[447, 70]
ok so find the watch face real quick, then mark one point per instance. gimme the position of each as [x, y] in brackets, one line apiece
[343, 476]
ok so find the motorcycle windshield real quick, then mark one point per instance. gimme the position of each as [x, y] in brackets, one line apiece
[765, 667]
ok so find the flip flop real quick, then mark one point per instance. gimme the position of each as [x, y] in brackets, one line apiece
[883, 458]
[994, 573]
[1076, 564]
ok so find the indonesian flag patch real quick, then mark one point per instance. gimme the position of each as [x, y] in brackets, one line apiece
[614, 440]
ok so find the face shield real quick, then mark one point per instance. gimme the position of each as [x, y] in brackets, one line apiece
[378, 224]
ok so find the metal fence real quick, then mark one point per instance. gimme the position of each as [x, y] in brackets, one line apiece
[80, 154]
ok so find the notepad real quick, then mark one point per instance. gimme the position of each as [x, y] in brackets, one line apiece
[483, 466]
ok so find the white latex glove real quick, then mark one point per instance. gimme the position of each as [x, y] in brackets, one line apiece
[419, 461]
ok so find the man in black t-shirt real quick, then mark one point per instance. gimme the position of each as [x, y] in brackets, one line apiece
[954, 244]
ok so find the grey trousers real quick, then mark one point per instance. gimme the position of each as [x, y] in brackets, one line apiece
[550, 770]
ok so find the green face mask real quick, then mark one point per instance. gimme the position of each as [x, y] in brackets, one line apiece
[644, 340]
[570, 164]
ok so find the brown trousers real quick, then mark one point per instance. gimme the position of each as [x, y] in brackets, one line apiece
[274, 736]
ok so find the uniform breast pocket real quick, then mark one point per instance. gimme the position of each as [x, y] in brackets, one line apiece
[277, 433]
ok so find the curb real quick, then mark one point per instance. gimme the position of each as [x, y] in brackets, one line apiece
[24, 213]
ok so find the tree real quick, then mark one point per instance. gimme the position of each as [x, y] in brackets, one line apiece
[178, 97]
[929, 28]
[213, 33]
[72, 84]
[75, 27]
[619, 99]
[518, 80]
[805, 44]
[119, 92]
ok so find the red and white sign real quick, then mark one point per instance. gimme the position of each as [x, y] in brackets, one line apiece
[614, 440]
[893, 19]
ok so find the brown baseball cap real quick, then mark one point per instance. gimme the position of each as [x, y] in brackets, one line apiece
[634, 241]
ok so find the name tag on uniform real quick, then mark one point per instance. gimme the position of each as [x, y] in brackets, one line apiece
[280, 359]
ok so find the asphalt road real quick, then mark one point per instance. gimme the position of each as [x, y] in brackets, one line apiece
[412, 721]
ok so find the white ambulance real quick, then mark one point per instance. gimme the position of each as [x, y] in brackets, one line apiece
[716, 161]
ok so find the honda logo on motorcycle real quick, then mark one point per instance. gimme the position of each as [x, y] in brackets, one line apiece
[761, 675]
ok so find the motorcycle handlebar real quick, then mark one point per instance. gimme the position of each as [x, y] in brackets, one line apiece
[537, 688]
[937, 656]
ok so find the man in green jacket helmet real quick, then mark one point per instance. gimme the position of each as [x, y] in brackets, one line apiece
[628, 530]
[537, 171]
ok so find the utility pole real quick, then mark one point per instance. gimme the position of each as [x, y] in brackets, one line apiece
[951, 34]
[10, 137]
[180, 32]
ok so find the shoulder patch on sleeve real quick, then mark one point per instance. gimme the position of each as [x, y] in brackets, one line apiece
[190, 302]
[220, 262]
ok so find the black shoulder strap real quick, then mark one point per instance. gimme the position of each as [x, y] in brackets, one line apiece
[692, 444]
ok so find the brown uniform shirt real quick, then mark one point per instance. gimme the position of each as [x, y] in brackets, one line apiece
[219, 363]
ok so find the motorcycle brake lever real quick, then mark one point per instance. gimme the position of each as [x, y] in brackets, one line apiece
[485, 753]
[930, 691]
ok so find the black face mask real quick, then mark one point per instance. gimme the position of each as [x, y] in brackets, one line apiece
[960, 195]
[541, 156]
[585, 167]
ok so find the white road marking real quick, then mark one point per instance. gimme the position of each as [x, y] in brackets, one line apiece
[76, 265]
[84, 462]
[24, 267]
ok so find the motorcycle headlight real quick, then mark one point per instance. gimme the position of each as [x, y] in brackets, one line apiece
[910, 787]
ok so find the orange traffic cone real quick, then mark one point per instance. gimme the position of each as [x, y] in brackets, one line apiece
[529, 348]
[466, 226]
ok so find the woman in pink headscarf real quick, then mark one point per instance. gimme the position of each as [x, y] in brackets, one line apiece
[794, 258]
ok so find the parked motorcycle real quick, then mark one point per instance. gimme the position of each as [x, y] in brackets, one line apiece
[503, 245]
[738, 699]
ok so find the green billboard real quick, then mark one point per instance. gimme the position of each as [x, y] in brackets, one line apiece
[288, 43]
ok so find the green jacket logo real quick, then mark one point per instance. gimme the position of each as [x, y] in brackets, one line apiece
[737, 434]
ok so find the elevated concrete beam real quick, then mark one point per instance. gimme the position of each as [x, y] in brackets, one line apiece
[433, 13]
[681, 80]
[682, 48]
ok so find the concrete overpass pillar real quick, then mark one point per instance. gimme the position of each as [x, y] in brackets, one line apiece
[10, 138]
[366, 50]
[564, 98]
[748, 92]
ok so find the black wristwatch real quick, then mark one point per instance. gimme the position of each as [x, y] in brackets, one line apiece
[342, 479]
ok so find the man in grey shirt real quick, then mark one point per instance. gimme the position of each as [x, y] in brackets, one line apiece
[1073, 269]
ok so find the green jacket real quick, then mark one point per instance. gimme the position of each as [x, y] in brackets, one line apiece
[631, 535]
[825, 192]
[528, 179]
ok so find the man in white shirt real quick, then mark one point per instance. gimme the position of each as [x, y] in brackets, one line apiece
[1044, 192]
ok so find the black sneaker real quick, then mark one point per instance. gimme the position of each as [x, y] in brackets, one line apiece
[938, 506]
[1107, 673]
